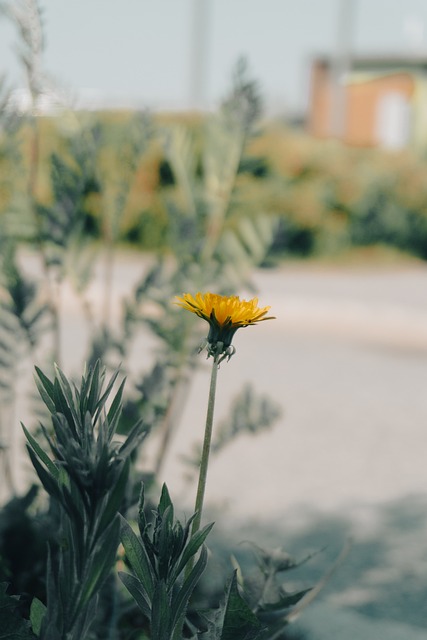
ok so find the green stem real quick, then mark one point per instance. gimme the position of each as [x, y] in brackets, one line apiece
[206, 448]
[198, 508]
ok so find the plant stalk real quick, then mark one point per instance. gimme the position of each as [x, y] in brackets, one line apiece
[204, 462]
[206, 448]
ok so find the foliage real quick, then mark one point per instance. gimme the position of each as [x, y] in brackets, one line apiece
[12, 625]
[87, 478]
[158, 562]
[331, 198]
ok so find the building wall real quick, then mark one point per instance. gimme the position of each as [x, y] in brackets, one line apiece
[363, 101]
[362, 98]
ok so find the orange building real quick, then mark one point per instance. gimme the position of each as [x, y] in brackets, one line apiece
[370, 101]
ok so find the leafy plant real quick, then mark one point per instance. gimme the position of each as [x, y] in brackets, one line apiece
[159, 561]
[87, 478]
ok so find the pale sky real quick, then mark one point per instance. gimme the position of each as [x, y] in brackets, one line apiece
[142, 52]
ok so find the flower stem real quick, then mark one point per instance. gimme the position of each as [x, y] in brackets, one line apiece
[206, 449]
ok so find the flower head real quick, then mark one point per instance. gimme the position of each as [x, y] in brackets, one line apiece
[225, 314]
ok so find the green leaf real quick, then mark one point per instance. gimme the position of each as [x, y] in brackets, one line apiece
[45, 387]
[115, 411]
[102, 400]
[192, 547]
[12, 625]
[63, 408]
[137, 591]
[114, 500]
[102, 562]
[238, 621]
[37, 613]
[69, 397]
[49, 482]
[40, 452]
[134, 438]
[181, 600]
[137, 557]
[71, 502]
[94, 386]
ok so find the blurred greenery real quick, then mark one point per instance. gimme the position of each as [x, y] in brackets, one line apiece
[328, 198]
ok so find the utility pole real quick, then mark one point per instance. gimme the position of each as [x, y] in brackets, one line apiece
[341, 66]
[199, 53]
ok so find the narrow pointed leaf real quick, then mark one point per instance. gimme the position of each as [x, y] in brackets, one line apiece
[115, 411]
[137, 591]
[47, 384]
[180, 602]
[101, 402]
[45, 388]
[40, 452]
[115, 498]
[239, 622]
[68, 394]
[193, 546]
[49, 482]
[137, 557]
[135, 437]
[102, 562]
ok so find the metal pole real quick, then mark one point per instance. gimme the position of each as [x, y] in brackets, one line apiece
[341, 66]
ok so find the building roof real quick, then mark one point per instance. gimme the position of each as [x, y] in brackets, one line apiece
[381, 62]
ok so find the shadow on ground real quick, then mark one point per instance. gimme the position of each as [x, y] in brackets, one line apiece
[383, 580]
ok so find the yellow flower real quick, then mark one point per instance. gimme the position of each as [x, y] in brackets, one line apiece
[225, 314]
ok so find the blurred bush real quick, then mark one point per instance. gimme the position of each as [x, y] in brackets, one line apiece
[328, 198]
